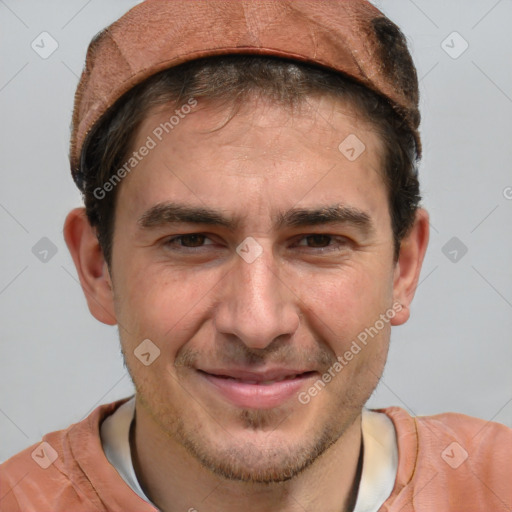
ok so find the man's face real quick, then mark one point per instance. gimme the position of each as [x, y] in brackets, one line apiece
[230, 325]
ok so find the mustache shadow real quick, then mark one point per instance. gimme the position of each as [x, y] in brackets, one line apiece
[234, 354]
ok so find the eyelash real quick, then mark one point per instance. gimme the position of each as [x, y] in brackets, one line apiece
[342, 241]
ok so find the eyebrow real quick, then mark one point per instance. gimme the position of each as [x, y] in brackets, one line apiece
[168, 213]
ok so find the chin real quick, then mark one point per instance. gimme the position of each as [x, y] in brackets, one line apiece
[257, 455]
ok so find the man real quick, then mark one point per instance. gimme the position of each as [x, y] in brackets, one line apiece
[252, 225]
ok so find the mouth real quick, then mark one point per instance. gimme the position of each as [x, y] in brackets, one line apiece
[257, 390]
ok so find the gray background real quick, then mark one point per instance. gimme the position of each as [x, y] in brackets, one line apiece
[57, 362]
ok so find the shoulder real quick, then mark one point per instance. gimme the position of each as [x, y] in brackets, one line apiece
[452, 422]
[452, 459]
[474, 434]
[483, 447]
[47, 475]
[35, 470]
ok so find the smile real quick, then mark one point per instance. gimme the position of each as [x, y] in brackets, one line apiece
[256, 390]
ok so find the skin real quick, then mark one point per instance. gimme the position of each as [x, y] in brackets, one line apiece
[299, 304]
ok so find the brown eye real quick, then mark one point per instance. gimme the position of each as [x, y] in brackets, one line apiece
[324, 243]
[318, 240]
[189, 241]
[194, 240]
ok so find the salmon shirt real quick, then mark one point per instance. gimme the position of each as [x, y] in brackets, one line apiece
[446, 463]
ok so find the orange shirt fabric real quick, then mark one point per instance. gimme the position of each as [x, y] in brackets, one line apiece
[447, 463]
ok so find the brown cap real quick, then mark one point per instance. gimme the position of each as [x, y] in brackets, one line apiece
[349, 36]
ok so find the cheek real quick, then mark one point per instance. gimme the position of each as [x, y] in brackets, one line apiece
[162, 303]
[347, 300]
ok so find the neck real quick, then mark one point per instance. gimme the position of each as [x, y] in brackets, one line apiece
[175, 481]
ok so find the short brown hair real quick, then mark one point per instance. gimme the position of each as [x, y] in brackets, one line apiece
[230, 79]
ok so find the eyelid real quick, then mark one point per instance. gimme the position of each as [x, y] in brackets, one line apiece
[334, 237]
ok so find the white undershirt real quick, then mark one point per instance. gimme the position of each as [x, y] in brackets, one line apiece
[380, 460]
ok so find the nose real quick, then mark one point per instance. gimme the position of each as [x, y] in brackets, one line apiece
[257, 305]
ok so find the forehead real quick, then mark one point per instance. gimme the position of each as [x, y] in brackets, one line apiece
[258, 106]
[266, 154]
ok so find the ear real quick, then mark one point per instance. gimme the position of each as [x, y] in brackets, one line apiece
[408, 267]
[91, 266]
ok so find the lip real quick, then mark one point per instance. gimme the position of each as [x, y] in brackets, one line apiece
[257, 390]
